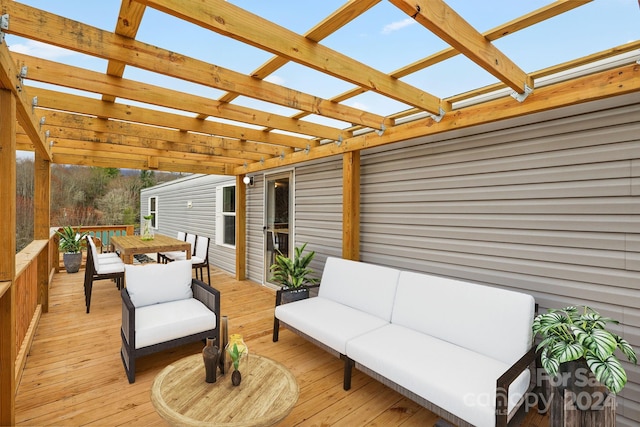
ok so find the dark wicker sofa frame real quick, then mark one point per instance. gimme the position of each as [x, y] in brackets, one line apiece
[204, 293]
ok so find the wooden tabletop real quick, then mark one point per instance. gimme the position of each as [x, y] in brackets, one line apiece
[131, 245]
[264, 397]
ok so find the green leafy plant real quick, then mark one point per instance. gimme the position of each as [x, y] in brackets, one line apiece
[70, 239]
[235, 355]
[293, 273]
[572, 334]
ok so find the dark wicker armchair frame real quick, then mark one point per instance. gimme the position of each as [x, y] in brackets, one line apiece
[204, 293]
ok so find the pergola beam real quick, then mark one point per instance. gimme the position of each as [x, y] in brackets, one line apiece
[345, 14]
[443, 21]
[49, 28]
[55, 73]
[614, 82]
[25, 109]
[129, 20]
[77, 104]
[234, 22]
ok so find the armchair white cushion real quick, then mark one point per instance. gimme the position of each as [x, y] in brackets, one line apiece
[157, 283]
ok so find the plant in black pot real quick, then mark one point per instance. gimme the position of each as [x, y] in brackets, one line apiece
[580, 334]
[71, 246]
[293, 275]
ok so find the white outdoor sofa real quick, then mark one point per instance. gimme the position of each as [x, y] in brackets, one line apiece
[452, 346]
[164, 307]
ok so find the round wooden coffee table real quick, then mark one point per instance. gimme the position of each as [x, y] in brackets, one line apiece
[266, 395]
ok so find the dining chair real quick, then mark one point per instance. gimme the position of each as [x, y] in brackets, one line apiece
[162, 256]
[179, 255]
[100, 267]
[200, 258]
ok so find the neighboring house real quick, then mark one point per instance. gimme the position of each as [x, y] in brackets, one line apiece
[547, 204]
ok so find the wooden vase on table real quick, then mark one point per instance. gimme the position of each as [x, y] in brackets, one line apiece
[210, 355]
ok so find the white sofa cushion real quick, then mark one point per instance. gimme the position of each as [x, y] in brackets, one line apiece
[327, 321]
[366, 287]
[456, 379]
[491, 321]
[157, 283]
[176, 319]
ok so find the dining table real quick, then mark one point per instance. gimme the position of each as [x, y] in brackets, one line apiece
[130, 245]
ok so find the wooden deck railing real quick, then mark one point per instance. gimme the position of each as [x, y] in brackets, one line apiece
[35, 266]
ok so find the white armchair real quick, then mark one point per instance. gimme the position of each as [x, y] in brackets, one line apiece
[163, 307]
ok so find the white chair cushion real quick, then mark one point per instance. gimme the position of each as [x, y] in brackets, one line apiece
[327, 321]
[175, 255]
[458, 380]
[157, 283]
[108, 258]
[366, 287]
[110, 267]
[491, 321]
[197, 260]
[164, 322]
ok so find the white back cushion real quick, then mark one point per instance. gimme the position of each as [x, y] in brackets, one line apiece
[366, 287]
[491, 321]
[157, 283]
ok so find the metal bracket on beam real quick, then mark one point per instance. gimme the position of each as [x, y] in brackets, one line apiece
[34, 103]
[437, 117]
[262, 160]
[4, 25]
[282, 155]
[520, 97]
[339, 141]
[380, 132]
[306, 150]
[42, 120]
[47, 133]
[245, 165]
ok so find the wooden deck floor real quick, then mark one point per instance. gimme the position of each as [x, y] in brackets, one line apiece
[74, 375]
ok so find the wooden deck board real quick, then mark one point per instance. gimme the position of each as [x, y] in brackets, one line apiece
[74, 375]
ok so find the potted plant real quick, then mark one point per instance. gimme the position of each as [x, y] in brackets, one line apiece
[580, 334]
[71, 246]
[293, 275]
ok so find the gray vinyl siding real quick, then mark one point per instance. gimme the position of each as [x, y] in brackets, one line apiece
[318, 210]
[547, 207]
[255, 233]
[174, 215]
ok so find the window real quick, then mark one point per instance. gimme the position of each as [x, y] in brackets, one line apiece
[226, 215]
[153, 211]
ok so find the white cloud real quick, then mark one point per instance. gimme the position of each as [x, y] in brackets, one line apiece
[275, 79]
[398, 25]
[360, 106]
[40, 50]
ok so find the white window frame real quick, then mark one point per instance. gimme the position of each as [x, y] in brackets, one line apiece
[154, 221]
[221, 215]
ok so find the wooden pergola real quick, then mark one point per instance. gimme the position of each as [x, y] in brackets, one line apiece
[220, 136]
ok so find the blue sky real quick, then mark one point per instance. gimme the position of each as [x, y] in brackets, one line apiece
[384, 38]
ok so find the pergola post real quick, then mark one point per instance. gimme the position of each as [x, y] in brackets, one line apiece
[7, 256]
[41, 227]
[241, 228]
[351, 205]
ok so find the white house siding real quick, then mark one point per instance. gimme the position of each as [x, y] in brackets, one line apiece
[550, 208]
[174, 215]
